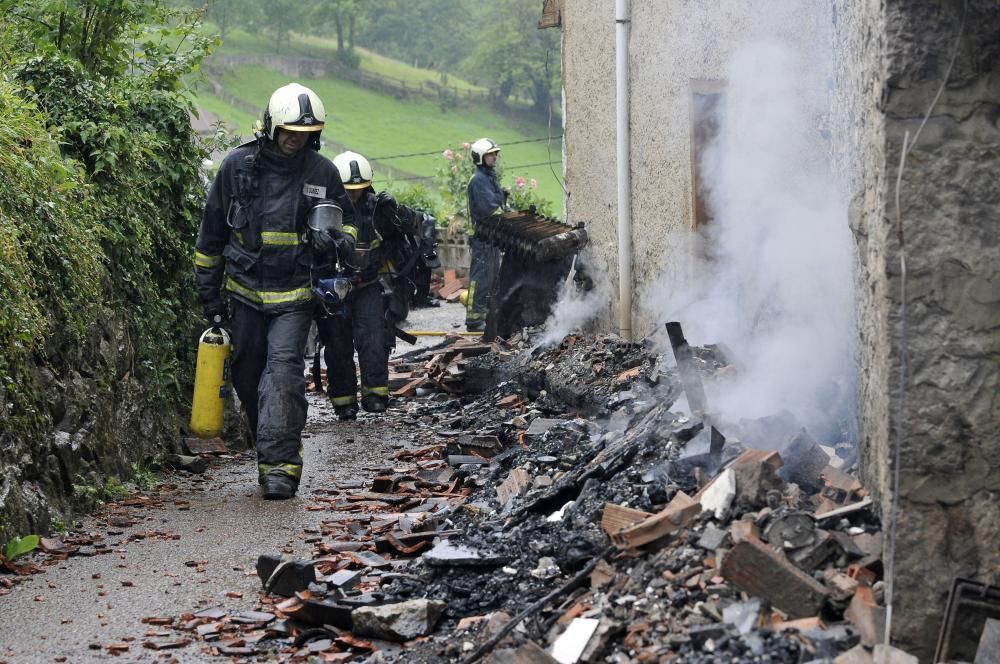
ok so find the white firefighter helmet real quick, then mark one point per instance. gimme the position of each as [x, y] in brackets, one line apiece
[295, 107]
[355, 171]
[481, 148]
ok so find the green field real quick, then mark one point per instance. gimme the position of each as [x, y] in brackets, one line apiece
[382, 127]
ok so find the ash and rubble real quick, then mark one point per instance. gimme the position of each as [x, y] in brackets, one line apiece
[558, 509]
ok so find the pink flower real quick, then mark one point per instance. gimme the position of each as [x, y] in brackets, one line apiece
[533, 183]
[466, 146]
[520, 182]
[448, 154]
[459, 156]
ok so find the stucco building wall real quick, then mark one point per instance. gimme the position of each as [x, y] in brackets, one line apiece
[674, 47]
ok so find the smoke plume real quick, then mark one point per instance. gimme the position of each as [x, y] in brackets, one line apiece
[575, 308]
[772, 275]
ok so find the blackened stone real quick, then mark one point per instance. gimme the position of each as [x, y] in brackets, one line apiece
[293, 575]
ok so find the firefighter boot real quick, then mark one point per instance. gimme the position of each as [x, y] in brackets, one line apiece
[374, 403]
[277, 486]
[347, 411]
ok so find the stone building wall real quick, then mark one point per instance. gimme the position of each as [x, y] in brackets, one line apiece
[859, 135]
[948, 418]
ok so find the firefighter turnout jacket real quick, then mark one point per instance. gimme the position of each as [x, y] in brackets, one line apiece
[485, 195]
[253, 241]
[486, 201]
[359, 321]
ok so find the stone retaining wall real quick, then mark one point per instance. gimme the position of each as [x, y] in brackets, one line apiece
[100, 421]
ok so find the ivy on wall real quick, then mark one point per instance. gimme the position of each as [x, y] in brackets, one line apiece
[51, 261]
[102, 192]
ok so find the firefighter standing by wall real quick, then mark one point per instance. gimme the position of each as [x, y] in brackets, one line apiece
[486, 201]
[358, 319]
[258, 238]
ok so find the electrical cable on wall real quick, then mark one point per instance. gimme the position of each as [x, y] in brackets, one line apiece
[548, 143]
[907, 146]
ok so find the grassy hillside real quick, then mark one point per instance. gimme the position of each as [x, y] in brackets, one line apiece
[383, 127]
[240, 42]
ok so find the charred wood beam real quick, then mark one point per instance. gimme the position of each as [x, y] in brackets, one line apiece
[689, 373]
[603, 465]
[530, 234]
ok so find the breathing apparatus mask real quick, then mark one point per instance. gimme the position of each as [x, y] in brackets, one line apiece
[325, 224]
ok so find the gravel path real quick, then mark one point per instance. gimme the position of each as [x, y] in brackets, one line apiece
[222, 525]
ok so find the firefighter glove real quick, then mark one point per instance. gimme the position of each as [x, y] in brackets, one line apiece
[325, 241]
[216, 314]
[385, 210]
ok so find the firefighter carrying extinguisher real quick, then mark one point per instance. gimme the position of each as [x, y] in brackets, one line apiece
[274, 206]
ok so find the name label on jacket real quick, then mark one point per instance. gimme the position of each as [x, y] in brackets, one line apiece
[314, 190]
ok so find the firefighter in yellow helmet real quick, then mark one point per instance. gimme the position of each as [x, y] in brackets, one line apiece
[366, 291]
[275, 206]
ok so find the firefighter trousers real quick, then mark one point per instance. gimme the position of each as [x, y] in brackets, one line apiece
[359, 324]
[268, 372]
[484, 273]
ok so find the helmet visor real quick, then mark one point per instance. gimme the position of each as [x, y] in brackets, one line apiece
[291, 127]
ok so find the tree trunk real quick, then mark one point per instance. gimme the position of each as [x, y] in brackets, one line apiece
[503, 91]
[339, 25]
[541, 96]
[62, 30]
[350, 31]
[222, 19]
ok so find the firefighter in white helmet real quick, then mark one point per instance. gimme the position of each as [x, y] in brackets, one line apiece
[274, 207]
[357, 319]
[486, 201]
[373, 272]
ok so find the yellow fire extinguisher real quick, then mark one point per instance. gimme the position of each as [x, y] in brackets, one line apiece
[211, 383]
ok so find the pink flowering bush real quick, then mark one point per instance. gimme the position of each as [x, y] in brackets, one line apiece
[452, 177]
[523, 195]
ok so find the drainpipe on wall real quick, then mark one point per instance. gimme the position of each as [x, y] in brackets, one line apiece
[624, 171]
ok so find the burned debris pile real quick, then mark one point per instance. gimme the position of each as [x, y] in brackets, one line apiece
[564, 508]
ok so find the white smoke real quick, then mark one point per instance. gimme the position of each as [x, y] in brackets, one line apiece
[777, 284]
[575, 308]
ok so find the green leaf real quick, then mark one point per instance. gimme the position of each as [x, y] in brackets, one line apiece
[20, 546]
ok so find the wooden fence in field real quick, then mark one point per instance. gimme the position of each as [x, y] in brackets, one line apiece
[317, 68]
